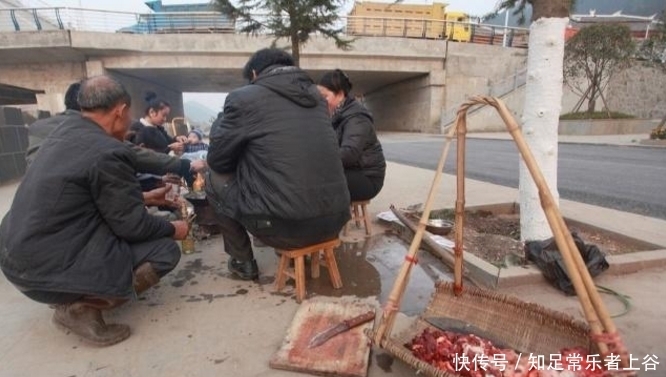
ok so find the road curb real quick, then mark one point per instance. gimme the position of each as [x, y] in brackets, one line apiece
[492, 277]
[606, 144]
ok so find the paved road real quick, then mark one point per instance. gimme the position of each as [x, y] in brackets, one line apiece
[631, 179]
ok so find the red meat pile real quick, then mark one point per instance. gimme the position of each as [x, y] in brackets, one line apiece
[472, 356]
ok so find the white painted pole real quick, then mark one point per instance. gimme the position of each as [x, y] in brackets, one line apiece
[506, 24]
[543, 102]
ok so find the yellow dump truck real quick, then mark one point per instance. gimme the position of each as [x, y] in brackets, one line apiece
[408, 20]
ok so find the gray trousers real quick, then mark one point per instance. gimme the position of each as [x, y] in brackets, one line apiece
[281, 234]
[163, 254]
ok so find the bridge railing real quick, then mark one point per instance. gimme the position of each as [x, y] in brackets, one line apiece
[66, 18]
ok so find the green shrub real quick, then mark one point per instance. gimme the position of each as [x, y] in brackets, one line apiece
[595, 115]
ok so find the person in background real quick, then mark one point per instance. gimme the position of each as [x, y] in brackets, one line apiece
[195, 142]
[150, 132]
[39, 130]
[274, 168]
[77, 235]
[147, 161]
[361, 153]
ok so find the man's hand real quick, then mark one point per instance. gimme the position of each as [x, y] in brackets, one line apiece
[181, 138]
[198, 166]
[157, 197]
[171, 178]
[176, 147]
[182, 228]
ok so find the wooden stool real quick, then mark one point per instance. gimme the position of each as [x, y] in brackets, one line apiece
[298, 274]
[361, 206]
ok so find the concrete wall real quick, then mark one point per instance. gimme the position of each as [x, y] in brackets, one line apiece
[487, 119]
[471, 69]
[607, 126]
[639, 91]
[54, 78]
[412, 105]
[137, 88]
[416, 105]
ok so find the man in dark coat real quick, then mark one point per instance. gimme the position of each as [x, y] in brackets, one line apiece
[77, 235]
[40, 130]
[275, 165]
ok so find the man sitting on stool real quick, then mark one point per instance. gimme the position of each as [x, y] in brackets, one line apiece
[275, 165]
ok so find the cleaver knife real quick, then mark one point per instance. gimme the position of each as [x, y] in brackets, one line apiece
[461, 327]
[341, 327]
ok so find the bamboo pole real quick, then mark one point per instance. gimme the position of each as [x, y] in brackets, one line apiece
[445, 257]
[593, 307]
[595, 297]
[587, 293]
[392, 305]
[440, 252]
[461, 129]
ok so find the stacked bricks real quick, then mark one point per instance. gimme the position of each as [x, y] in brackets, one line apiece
[13, 144]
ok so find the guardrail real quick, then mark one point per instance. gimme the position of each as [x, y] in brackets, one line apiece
[65, 18]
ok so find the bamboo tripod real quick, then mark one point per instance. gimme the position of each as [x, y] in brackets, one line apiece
[603, 330]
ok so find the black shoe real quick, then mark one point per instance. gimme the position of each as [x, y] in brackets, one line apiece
[245, 270]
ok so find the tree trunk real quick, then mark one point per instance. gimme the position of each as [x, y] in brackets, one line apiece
[296, 50]
[550, 8]
[543, 104]
[592, 102]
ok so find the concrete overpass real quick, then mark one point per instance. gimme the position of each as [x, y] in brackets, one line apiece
[405, 82]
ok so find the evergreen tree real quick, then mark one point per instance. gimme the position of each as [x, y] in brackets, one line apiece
[295, 20]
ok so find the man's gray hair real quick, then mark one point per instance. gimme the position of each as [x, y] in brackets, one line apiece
[102, 93]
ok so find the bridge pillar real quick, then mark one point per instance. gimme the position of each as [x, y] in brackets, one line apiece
[413, 105]
[94, 68]
[53, 77]
[137, 88]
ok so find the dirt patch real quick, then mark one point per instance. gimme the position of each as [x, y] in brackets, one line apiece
[496, 238]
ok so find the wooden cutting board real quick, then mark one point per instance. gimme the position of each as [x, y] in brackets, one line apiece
[345, 355]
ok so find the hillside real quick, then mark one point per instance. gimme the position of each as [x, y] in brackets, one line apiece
[199, 115]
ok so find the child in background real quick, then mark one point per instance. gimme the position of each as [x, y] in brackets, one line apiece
[195, 149]
[195, 142]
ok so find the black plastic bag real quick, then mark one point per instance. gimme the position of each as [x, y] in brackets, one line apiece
[549, 260]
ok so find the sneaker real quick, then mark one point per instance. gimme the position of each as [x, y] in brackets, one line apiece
[245, 270]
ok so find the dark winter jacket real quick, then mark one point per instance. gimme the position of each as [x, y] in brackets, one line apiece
[40, 130]
[155, 137]
[147, 161]
[74, 215]
[151, 162]
[359, 147]
[276, 139]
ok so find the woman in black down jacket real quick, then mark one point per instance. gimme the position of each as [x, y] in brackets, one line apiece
[149, 130]
[360, 150]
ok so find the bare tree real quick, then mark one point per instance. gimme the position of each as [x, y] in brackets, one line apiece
[592, 57]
